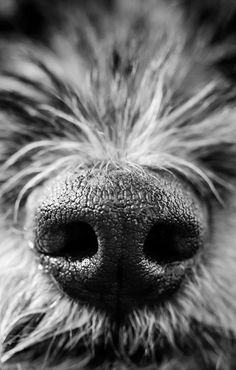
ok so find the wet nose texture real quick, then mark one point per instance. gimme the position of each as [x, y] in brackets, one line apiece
[118, 240]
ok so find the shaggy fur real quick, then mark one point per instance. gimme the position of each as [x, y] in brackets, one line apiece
[139, 85]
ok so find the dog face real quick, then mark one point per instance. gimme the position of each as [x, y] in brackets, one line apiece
[118, 157]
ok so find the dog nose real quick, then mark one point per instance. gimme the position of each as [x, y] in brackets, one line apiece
[118, 240]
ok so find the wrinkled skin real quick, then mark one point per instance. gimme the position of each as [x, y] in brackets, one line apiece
[117, 184]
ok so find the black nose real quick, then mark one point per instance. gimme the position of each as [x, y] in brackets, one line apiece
[118, 240]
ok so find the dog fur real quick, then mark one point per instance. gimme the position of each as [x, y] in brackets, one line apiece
[137, 85]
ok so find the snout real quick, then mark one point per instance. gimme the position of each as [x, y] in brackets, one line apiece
[119, 240]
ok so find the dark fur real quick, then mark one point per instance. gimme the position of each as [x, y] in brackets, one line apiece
[139, 85]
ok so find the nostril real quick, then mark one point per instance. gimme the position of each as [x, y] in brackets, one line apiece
[75, 239]
[80, 240]
[158, 245]
[168, 243]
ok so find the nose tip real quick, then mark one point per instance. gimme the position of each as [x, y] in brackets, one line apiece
[117, 240]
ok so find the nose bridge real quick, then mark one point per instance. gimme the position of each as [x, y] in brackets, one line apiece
[119, 201]
[120, 208]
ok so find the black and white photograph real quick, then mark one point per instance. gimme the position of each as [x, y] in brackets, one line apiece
[117, 184]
